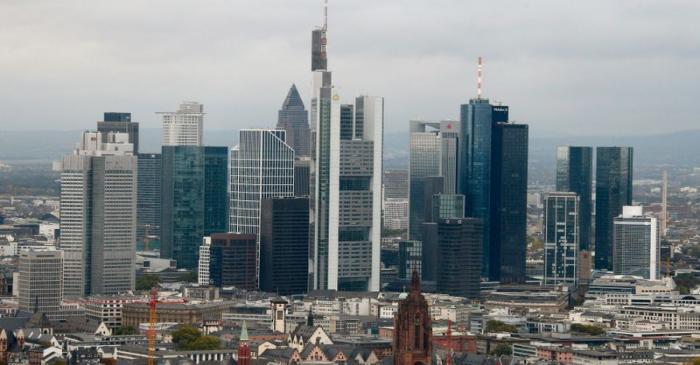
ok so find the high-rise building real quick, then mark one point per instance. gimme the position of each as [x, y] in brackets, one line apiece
[121, 123]
[410, 258]
[262, 166]
[216, 198]
[395, 184]
[575, 174]
[561, 246]
[434, 152]
[98, 216]
[203, 276]
[302, 177]
[347, 199]
[636, 249]
[663, 221]
[493, 178]
[233, 260]
[183, 127]
[508, 242]
[40, 281]
[294, 119]
[613, 191]
[284, 245]
[459, 256]
[193, 200]
[148, 201]
[395, 214]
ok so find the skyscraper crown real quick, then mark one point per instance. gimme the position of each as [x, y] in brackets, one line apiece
[293, 99]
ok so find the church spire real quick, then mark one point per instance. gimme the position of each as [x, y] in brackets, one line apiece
[415, 283]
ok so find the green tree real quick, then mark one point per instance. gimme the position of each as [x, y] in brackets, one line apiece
[498, 326]
[587, 329]
[190, 277]
[686, 282]
[124, 330]
[147, 282]
[501, 350]
[204, 343]
[185, 335]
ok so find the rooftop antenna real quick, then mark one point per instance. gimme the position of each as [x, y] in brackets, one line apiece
[478, 79]
[325, 15]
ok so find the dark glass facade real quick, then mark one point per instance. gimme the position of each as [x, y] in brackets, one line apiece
[233, 260]
[215, 190]
[575, 174]
[302, 178]
[410, 258]
[149, 190]
[474, 178]
[459, 257]
[508, 230]
[284, 245]
[193, 199]
[613, 191]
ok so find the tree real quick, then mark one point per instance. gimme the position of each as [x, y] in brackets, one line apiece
[686, 282]
[185, 335]
[501, 350]
[124, 330]
[587, 329]
[147, 282]
[498, 326]
[204, 343]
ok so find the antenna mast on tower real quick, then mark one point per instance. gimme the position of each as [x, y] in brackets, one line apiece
[478, 79]
[325, 15]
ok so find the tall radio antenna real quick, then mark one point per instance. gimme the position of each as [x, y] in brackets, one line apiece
[478, 79]
[325, 15]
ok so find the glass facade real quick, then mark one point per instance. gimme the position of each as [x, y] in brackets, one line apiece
[410, 257]
[294, 119]
[148, 201]
[575, 174]
[561, 246]
[613, 191]
[215, 192]
[459, 257]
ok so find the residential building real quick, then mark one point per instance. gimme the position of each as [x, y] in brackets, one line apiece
[183, 127]
[40, 281]
[262, 166]
[561, 246]
[575, 174]
[636, 249]
[284, 245]
[613, 191]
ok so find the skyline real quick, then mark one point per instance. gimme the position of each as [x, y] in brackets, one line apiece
[105, 52]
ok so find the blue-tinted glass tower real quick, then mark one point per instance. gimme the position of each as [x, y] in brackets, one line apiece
[575, 174]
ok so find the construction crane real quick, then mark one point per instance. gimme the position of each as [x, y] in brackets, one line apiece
[152, 317]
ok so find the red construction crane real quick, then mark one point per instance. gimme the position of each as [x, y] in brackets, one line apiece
[152, 320]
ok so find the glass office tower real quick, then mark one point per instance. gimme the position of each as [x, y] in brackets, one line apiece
[561, 244]
[575, 174]
[613, 191]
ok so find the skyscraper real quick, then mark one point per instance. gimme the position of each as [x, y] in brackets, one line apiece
[120, 122]
[410, 258]
[294, 119]
[613, 191]
[395, 184]
[148, 201]
[302, 177]
[434, 152]
[575, 174]
[262, 166]
[459, 257]
[232, 260]
[508, 243]
[346, 217]
[561, 247]
[98, 216]
[493, 178]
[40, 281]
[284, 245]
[193, 199]
[183, 127]
[636, 249]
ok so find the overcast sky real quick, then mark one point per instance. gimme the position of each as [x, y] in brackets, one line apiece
[565, 67]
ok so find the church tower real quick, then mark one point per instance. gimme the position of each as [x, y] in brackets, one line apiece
[413, 342]
[243, 348]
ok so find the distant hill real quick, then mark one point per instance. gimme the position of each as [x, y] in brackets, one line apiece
[678, 149]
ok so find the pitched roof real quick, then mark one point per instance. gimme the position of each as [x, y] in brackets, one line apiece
[293, 98]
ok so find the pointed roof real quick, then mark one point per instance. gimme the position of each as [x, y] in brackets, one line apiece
[244, 332]
[415, 283]
[293, 98]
